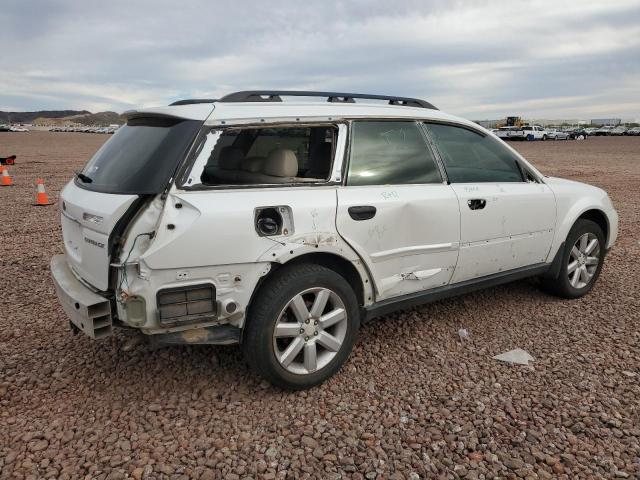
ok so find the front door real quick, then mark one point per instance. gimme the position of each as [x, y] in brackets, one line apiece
[507, 217]
[395, 210]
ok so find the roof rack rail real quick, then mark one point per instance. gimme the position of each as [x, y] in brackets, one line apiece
[191, 101]
[333, 97]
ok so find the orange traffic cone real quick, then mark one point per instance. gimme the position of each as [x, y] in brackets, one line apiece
[41, 197]
[5, 180]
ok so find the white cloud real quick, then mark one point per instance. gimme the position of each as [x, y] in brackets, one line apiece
[488, 58]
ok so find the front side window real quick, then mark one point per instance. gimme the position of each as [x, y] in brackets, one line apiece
[471, 157]
[264, 155]
[390, 153]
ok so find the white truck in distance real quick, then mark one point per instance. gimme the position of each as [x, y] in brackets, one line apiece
[282, 225]
[528, 132]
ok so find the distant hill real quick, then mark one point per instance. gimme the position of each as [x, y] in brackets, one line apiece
[100, 118]
[29, 117]
[62, 117]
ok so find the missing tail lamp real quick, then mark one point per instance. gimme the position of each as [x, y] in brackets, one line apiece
[182, 305]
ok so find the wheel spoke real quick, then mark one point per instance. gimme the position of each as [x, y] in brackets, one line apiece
[287, 330]
[591, 246]
[320, 303]
[584, 275]
[310, 357]
[291, 352]
[572, 266]
[299, 308]
[583, 242]
[333, 317]
[575, 278]
[592, 260]
[575, 253]
[328, 341]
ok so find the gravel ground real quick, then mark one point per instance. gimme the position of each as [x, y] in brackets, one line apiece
[412, 402]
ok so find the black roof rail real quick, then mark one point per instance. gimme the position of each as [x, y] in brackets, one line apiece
[334, 97]
[191, 101]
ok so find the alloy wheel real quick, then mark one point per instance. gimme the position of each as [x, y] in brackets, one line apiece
[310, 330]
[583, 260]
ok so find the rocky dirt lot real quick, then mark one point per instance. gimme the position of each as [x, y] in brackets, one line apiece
[412, 402]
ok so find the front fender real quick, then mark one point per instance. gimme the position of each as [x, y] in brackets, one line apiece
[574, 199]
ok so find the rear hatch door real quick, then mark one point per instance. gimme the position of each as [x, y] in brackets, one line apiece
[138, 161]
[88, 218]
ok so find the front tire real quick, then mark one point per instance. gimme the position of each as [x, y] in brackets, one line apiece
[581, 262]
[301, 326]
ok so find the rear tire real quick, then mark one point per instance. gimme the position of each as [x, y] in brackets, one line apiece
[581, 261]
[301, 326]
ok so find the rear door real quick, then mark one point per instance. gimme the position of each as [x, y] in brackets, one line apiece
[395, 210]
[507, 217]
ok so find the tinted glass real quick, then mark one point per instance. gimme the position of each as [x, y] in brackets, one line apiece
[470, 157]
[390, 153]
[140, 157]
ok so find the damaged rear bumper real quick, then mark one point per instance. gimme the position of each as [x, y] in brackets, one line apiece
[87, 310]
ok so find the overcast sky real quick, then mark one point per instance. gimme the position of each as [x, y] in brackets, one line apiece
[478, 59]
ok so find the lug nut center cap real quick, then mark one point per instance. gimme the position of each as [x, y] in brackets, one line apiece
[309, 328]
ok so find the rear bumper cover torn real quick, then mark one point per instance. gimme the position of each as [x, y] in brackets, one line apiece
[87, 310]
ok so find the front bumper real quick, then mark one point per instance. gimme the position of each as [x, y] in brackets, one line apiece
[87, 310]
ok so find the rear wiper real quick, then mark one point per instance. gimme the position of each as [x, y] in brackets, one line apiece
[83, 178]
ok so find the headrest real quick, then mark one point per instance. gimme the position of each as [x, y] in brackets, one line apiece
[230, 158]
[252, 164]
[281, 162]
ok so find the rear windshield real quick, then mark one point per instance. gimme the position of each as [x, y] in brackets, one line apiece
[140, 157]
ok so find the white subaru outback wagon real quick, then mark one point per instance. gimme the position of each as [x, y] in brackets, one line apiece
[282, 225]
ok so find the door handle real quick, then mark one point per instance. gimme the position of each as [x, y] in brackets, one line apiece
[476, 203]
[362, 212]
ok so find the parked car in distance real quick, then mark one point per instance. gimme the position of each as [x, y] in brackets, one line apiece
[282, 225]
[504, 132]
[578, 133]
[534, 132]
[618, 131]
[557, 134]
[527, 132]
[605, 130]
[633, 131]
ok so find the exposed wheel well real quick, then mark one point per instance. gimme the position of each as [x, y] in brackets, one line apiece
[339, 265]
[600, 218]
[336, 263]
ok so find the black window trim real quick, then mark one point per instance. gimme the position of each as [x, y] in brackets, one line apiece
[524, 170]
[347, 151]
[182, 175]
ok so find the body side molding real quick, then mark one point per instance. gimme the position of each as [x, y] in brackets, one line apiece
[439, 293]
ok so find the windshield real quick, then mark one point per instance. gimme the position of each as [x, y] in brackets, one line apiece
[141, 156]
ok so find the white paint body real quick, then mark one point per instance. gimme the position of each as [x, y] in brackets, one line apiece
[422, 237]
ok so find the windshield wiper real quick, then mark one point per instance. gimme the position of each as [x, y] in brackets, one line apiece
[83, 178]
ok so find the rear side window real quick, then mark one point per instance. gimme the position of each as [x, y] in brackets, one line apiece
[264, 155]
[470, 157]
[390, 153]
[140, 157]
